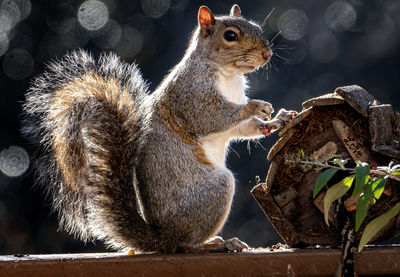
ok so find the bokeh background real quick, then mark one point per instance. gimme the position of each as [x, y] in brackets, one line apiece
[322, 45]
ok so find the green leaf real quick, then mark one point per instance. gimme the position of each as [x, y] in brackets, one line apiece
[378, 185]
[322, 179]
[362, 177]
[377, 224]
[362, 208]
[335, 192]
[396, 172]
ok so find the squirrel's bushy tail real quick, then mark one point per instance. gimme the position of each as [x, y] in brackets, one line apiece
[84, 115]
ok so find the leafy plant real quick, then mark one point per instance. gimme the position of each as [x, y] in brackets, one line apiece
[335, 192]
[377, 224]
[367, 189]
[323, 179]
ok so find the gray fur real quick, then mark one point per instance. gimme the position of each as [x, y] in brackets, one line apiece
[151, 193]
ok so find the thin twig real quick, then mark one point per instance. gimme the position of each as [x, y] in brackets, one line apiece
[326, 165]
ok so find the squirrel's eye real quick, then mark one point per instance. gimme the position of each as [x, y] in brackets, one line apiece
[230, 36]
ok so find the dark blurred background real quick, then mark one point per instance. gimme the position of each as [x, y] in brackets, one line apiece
[322, 45]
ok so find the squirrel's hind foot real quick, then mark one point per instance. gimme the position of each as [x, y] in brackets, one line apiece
[231, 245]
[217, 244]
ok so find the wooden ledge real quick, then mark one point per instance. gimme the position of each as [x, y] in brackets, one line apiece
[382, 260]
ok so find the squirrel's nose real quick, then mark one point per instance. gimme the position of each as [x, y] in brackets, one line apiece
[266, 53]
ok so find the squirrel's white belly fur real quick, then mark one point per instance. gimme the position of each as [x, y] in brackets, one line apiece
[215, 145]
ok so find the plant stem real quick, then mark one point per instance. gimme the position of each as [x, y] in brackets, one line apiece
[326, 165]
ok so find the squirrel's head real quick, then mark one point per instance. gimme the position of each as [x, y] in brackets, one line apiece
[232, 42]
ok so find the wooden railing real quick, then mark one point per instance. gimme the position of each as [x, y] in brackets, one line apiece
[384, 260]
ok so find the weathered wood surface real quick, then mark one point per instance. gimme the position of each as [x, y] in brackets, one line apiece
[283, 198]
[383, 125]
[373, 261]
[380, 125]
[358, 151]
[325, 151]
[279, 144]
[357, 97]
[282, 225]
[323, 100]
[349, 122]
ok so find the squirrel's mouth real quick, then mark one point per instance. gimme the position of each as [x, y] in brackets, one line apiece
[249, 68]
[245, 68]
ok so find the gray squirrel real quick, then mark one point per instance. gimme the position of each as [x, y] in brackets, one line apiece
[146, 171]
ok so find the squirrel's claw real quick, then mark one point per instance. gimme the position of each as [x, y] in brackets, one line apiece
[265, 130]
[279, 120]
[293, 115]
[284, 116]
[260, 108]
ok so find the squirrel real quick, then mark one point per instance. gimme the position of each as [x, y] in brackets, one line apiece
[146, 171]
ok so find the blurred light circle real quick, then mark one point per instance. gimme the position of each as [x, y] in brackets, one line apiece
[108, 36]
[51, 46]
[111, 5]
[21, 40]
[143, 23]
[324, 47]
[3, 36]
[130, 43]
[74, 35]
[298, 53]
[11, 9]
[155, 8]
[65, 26]
[5, 22]
[293, 24]
[376, 22]
[92, 15]
[4, 42]
[3, 47]
[17, 64]
[392, 9]
[24, 8]
[340, 16]
[14, 161]
[380, 29]
[326, 82]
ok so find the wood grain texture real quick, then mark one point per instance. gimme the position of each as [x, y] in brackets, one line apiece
[265, 262]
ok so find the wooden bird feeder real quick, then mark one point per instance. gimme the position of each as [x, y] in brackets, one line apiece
[349, 122]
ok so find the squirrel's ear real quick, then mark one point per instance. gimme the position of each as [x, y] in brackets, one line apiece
[235, 11]
[206, 20]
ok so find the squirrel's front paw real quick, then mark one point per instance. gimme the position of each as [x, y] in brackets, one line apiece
[279, 120]
[284, 116]
[259, 108]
